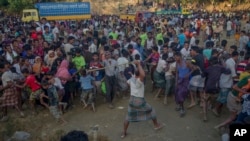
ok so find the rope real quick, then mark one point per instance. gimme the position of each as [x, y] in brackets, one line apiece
[98, 69]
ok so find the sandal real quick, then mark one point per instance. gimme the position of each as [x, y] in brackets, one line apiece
[123, 135]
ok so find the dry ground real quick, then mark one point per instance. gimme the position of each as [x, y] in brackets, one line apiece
[110, 122]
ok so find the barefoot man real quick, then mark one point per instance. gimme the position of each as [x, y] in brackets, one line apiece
[138, 108]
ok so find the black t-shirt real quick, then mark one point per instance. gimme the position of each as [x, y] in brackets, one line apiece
[199, 59]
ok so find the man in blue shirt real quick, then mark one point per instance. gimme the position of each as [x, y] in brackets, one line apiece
[87, 89]
[139, 47]
[181, 38]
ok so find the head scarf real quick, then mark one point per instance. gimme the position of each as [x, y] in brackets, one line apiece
[63, 72]
[51, 59]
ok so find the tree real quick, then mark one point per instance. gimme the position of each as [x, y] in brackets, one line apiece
[3, 3]
[18, 5]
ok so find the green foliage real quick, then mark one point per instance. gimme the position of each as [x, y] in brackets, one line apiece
[18, 5]
[3, 3]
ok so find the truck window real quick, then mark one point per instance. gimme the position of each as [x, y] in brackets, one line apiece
[33, 13]
[27, 14]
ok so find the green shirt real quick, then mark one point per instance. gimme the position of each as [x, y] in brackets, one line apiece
[158, 37]
[240, 84]
[143, 37]
[79, 62]
[114, 35]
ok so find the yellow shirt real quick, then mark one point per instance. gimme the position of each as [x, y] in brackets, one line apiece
[244, 74]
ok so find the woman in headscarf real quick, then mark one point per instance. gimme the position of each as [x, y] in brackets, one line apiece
[63, 72]
[65, 77]
[51, 57]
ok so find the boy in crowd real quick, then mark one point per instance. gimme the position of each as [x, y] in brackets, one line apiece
[53, 101]
[34, 85]
[79, 60]
[87, 89]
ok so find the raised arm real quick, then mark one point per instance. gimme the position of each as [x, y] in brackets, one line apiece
[141, 71]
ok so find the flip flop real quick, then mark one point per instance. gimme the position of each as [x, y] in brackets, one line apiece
[123, 135]
[159, 127]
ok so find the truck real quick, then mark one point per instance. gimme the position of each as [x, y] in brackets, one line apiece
[58, 11]
[143, 15]
[127, 16]
[182, 11]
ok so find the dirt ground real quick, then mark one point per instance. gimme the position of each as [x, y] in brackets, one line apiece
[110, 122]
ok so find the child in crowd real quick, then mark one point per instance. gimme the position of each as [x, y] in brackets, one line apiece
[87, 89]
[99, 74]
[34, 85]
[59, 87]
[53, 101]
[79, 60]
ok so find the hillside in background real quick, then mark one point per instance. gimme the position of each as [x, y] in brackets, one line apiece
[120, 6]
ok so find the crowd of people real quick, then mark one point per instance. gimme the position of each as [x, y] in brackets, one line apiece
[55, 63]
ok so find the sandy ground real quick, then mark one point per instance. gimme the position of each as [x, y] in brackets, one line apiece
[110, 122]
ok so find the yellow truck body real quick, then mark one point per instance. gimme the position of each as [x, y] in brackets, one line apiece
[127, 17]
[58, 11]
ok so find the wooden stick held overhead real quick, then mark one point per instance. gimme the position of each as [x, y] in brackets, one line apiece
[97, 69]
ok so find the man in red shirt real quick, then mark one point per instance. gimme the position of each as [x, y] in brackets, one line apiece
[36, 89]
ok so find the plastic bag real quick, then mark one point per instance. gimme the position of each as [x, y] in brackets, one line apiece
[103, 88]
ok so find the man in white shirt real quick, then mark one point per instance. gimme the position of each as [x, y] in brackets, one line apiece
[170, 78]
[9, 97]
[185, 52]
[133, 41]
[192, 40]
[247, 27]
[68, 47]
[122, 63]
[120, 32]
[110, 81]
[229, 27]
[45, 23]
[137, 96]
[93, 46]
[162, 64]
[55, 31]
[243, 40]
[226, 83]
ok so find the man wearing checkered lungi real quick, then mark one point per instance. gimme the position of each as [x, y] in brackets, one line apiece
[138, 108]
[9, 97]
